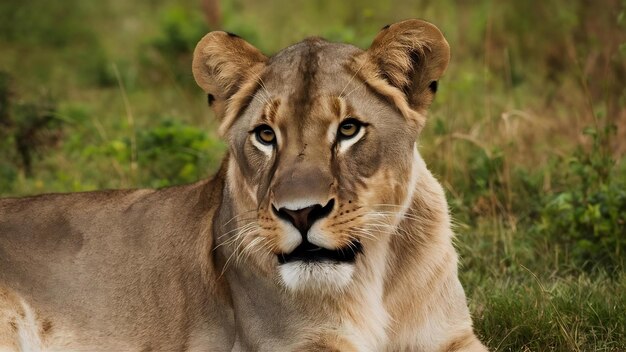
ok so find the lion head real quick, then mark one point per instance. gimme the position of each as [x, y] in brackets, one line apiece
[322, 148]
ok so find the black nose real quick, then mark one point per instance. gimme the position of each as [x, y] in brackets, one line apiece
[304, 218]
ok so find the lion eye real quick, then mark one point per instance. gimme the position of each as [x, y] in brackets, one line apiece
[349, 128]
[265, 134]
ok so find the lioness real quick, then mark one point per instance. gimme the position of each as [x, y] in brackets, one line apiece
[322, 231]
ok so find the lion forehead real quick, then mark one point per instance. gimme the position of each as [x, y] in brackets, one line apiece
[311, 67]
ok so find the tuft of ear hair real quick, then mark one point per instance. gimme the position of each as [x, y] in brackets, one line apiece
[404, 63]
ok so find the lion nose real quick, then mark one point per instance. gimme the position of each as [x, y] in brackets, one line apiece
[304, 218]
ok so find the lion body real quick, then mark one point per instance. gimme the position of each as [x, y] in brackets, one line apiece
[110, 269]
[203, 267]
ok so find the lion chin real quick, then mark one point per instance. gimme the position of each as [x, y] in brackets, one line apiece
[321, 275]
[310, 267]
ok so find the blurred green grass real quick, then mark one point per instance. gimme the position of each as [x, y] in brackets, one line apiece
[519, 135]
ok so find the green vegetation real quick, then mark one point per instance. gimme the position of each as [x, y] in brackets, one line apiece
[527, 134]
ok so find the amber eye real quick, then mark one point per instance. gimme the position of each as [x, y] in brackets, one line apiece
[265, 134]
[349, 128]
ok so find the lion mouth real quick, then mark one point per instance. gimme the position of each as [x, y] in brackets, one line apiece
[308, 252]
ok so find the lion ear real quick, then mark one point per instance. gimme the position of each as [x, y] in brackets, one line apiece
[411, 56]
[222, 64]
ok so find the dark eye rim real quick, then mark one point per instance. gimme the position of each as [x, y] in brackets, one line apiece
[257, 134]
[350, 120]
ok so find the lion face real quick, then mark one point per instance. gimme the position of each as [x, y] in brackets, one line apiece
[322, 138]
[327, 162]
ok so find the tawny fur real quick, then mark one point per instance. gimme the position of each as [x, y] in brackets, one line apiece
[195, 267]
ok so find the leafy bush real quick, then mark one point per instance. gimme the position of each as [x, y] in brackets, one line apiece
[174, 153]
[480, 184]
[181, 30]
[170, 52]
[588, 214]
[26, 128]
[170, 153]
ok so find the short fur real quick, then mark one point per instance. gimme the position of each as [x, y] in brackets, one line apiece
[196, 267]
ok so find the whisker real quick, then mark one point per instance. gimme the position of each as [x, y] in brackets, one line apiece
[236, 250]
[239, 236]
[267, 98]
[238, 216]
[352, 78]
[243, 254]
[251, 223]
[405, 215]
